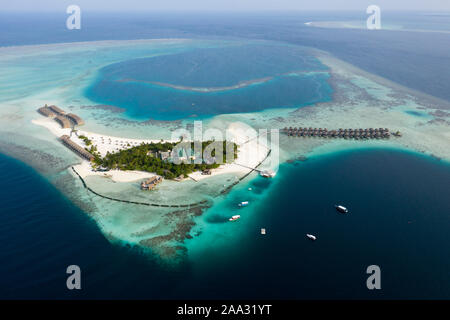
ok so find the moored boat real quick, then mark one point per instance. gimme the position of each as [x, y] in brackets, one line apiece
[267, 174]
[243, 204]
[341, 209]
[235, 217]
[312, 237]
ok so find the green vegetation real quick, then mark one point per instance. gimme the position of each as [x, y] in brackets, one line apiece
[86, 140]
[93, 150]
[147, 157]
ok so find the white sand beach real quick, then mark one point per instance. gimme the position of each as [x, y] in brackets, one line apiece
[252, 151]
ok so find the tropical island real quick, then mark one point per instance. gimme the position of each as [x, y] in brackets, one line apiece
[158, 157]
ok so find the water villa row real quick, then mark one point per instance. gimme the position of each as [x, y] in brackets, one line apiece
[151, 183]
[65, 139]
[370, 133]
[65, 120]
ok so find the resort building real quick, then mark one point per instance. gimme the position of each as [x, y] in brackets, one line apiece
[65, 139]
[60, 116]
[357, 134]
[57, 110]
[206, 172]
[64, 122]
[75, 119]
[47, 112]
[164, 155]
[179, 178]
[151, 183]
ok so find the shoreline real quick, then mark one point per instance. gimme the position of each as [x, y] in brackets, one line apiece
[249, 153]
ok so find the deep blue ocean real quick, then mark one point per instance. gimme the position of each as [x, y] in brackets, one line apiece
[398, 220]
[399, 203]
[419, 60]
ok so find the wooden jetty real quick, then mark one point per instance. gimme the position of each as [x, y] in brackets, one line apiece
[357, 134]
[65, 139]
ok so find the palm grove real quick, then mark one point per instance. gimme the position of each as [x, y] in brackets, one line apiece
[147, 157]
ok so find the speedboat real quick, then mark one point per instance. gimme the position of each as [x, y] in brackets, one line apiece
[310, 236]
[234, 218]
[243, 204]
[341, 209]
[267, 174]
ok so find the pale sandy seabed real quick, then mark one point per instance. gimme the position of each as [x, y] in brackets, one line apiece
[58, 74]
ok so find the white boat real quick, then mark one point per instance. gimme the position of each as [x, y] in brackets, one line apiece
[341, 209]
[267, 173]
[310, 236]
[243, 204]
[234, 218]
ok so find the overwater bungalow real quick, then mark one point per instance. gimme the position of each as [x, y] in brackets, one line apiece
[63, 122]
[151, 183]
[75, 119]
[352, 133]
[57, 110]
[47, 112]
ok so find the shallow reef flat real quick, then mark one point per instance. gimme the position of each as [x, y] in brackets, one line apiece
[359, 100]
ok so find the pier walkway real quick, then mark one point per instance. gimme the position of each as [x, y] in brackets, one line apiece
[247, 167]
[189, 205]
[357, 134]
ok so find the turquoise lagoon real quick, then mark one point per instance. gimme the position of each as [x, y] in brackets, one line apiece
[209, 81]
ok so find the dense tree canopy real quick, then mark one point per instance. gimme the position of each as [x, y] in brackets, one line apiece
[146, 157]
